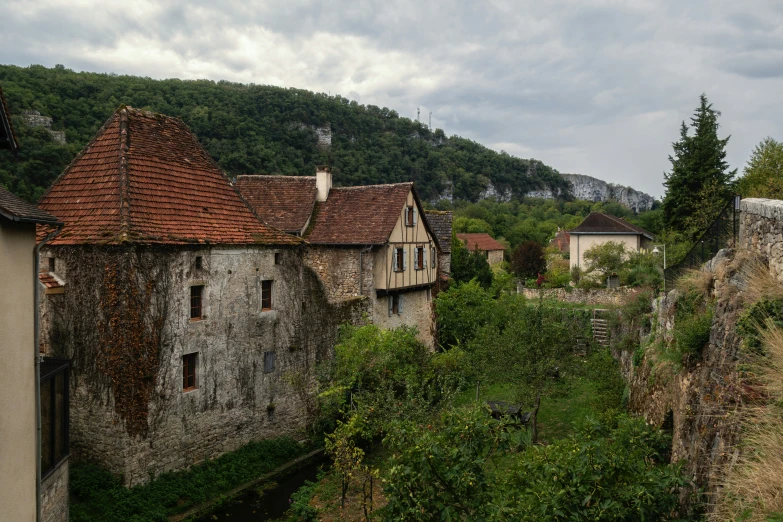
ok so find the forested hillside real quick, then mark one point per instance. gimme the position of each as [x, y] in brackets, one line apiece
[257, 129]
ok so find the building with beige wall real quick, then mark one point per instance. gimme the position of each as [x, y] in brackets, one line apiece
[599, 228]
[369, 242]
[486, 244]
[18, 439]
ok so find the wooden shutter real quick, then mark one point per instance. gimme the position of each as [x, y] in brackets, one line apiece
[391, 305]
[415, 215]
[404, 258]
[424, 256]
[399, 304]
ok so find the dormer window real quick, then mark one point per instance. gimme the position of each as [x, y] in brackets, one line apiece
[410, 216]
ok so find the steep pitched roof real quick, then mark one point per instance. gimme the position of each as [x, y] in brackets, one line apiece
[562, 240]
[483, 242]
[441, 224]
[7, 136]
[285, 202]
[13, 208]
[144, 178]
[600, 223]
[358, 215]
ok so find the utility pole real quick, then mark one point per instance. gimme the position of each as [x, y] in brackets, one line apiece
[430, 120]
[418, 114]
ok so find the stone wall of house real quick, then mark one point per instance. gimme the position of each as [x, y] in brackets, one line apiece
[416, 311]
[340, 271]
[54, 495]
[235, 401]
[592, 296]
[494, 257]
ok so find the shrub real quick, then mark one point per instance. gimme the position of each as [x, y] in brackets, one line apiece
[528, 259]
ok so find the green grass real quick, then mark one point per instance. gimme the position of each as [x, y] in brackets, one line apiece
[98, 496]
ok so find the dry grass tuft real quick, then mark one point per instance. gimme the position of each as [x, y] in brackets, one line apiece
[698, 282]
[753, 488]
[760, 283]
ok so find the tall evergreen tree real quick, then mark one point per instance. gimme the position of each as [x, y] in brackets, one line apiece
[699, 183]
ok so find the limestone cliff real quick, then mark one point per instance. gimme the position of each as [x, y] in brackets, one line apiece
[592, 189]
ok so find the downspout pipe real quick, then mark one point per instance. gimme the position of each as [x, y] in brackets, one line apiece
[37, 355]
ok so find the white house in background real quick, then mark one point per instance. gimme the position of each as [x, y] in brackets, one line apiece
[598, 228]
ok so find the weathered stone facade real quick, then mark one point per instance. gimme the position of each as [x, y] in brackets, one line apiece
[237, 397]
[346, 272]
[54, 495]
[415, 309]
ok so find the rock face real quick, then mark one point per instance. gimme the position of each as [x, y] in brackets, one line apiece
[592, 189]
[33, 118]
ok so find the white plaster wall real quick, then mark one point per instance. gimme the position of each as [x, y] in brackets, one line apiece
[581, 243]
[17, 373]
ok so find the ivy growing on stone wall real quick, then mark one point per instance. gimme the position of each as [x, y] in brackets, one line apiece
[111, 324]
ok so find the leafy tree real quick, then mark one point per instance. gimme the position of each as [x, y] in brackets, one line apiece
[606, 258]
[698, 185]
[467, 265]
[462, 310]
[528, 260]
[527, 345]
[763, 175]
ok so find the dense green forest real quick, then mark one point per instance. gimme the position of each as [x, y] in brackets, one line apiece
[257, 129]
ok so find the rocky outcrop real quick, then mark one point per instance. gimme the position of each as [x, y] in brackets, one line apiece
[592, 189]
[33, 118]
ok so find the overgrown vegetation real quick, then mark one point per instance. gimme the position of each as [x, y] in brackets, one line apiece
[98, 496]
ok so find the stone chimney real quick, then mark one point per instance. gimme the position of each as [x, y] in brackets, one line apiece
[323, 182]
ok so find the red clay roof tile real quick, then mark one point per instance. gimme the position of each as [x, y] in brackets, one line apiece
[49, 281]
[285, 202]
[358, 215]
[144, 178]
[483, 242]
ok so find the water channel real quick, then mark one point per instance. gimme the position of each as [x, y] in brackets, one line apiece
[271, 503]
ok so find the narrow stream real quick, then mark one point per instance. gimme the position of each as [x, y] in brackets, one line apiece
[271, 504]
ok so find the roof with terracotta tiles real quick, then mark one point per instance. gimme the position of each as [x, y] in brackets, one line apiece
[358, 215]
[15, 209]
[600, 223]
[285, 202]
[144, 178]
[483, 242]
[7, 135]
[49, 280]
[440, 222]
[562, 240]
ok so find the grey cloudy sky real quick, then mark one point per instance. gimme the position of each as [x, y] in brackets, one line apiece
[596, 87]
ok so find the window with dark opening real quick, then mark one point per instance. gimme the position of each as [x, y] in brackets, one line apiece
[419, 258]
[410, 217]
[277, 258]
[269, 362]
[52, 264]
[54, 414]
[199, 263]
[189, 362]
[399, 259]
[395, 304]
[266, 295]
[196, 301]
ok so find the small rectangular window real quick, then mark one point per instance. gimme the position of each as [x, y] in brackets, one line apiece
[410, 216]
[189, 362]
[266, 295]
[399, 259]
[199, 263]
[395, 304]
[277, 258]
[196, 301]
[419, 258]
[269, 362]
[52, 264]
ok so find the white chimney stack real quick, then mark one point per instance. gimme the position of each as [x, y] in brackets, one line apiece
[323, 182]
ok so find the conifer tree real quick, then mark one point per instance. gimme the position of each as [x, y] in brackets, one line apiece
[699, 184]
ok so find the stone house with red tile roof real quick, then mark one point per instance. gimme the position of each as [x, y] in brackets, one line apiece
[598, 228]
[369, 242]
[485, 243]
[186, 317]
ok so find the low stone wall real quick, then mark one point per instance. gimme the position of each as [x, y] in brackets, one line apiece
[54, 495]
[594, 296]
[761, 230]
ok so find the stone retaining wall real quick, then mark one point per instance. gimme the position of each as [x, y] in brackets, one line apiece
[594, 296]
[761, 230]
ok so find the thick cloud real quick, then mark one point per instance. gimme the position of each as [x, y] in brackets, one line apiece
[597, 87]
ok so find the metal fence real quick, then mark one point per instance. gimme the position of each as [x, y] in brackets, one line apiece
[722, 233]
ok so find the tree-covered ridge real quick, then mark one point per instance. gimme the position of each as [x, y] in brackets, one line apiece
[258, 129]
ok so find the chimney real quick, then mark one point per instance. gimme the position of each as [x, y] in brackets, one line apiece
[323, 182]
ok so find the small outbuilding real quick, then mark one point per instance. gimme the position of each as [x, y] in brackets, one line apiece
[486, 244]
[598, 228]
